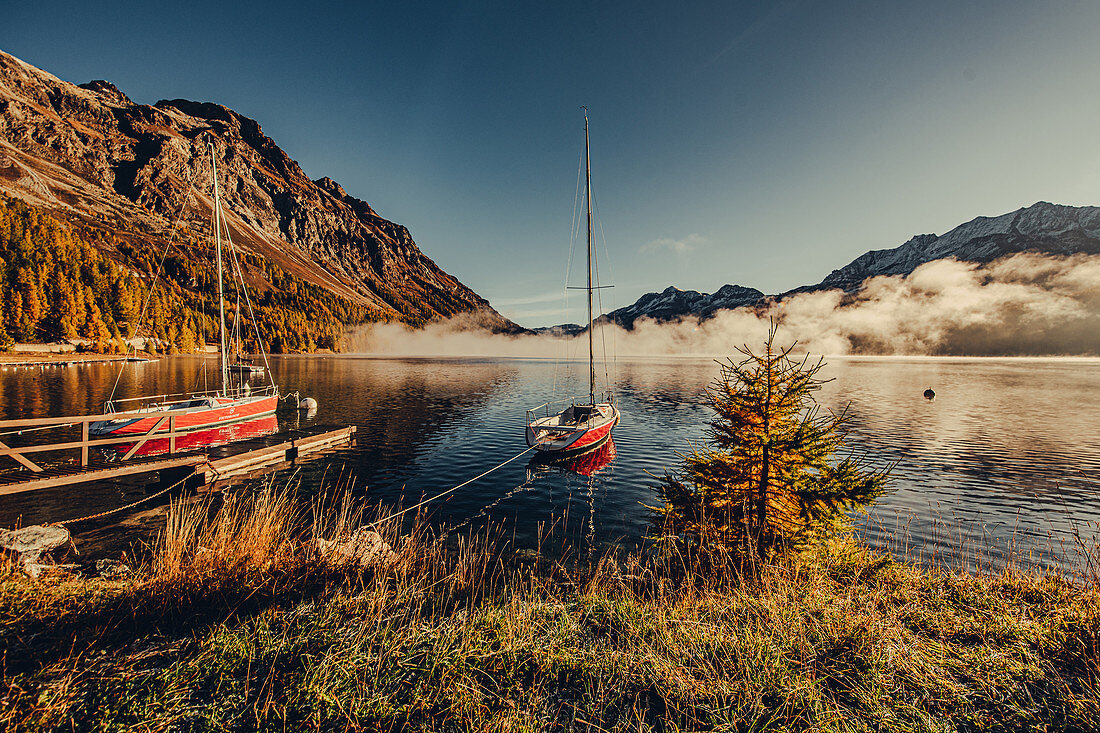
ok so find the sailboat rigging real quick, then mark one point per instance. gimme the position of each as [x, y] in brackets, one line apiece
[229, 404]
[581, 426]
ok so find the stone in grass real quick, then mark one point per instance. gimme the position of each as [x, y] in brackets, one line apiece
[112, 569]
[363, 547]
[34, 546]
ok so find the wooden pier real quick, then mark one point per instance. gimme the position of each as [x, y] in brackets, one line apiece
[202, 466]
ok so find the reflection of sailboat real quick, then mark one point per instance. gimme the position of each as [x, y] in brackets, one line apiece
[592, 462]
[581, 426]
[203, 410]
[267, 425]
[586, 464]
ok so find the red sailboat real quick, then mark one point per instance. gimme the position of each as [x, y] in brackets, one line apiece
[575, 426]
[234, 402]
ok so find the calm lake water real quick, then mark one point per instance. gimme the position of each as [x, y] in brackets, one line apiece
[1007, 458]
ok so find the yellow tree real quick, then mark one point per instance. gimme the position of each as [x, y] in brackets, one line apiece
[767, 479]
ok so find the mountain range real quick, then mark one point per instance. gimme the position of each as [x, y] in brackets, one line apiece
[1042, 228]
[91, 156]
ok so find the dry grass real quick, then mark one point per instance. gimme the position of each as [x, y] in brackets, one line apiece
[240, 622]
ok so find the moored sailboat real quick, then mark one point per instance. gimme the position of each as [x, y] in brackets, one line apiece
[581, 425]
[203, 410]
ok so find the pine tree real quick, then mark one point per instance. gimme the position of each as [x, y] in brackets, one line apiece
[766, 481]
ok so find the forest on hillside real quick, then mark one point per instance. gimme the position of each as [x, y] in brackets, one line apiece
[63, 282]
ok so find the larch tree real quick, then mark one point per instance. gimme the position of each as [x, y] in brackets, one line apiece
[767, 479]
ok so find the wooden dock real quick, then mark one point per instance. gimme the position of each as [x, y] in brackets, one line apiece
[201, 466]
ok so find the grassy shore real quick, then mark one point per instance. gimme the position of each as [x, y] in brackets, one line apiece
[239, 622]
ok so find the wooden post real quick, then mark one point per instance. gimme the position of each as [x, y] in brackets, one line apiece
[172, 435]
[84, 439]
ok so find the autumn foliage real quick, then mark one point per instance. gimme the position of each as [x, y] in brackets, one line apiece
[59, 282]
[768, 479]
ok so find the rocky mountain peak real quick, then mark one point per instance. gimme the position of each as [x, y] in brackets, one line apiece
[108, 91]
[673, 303]
[1042, 227]
[90, 153]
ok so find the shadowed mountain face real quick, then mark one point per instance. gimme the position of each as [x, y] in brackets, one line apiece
[92, 155]
[673, 303]
[1041, 228]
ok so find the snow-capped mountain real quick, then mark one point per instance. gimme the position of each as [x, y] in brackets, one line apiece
[1043, 227]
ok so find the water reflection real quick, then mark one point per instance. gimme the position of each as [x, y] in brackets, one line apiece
[202, 439]
[1005, 457]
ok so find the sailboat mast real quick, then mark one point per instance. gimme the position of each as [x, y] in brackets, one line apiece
[221, 298]
[591, 326]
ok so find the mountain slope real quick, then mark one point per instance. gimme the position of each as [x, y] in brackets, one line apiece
[92, 155]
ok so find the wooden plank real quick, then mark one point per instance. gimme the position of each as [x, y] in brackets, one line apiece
[17, 455]
[135, 446]
[249, 461]
[229, 464]
[331, 437]
[79, 477]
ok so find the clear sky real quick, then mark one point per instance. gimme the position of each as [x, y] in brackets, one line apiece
[762, 144]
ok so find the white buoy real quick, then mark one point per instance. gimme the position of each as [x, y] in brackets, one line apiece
[307, 404]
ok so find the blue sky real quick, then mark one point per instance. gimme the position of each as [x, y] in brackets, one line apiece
[762, 144]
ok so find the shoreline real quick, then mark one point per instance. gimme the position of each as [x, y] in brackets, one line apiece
[62, 359]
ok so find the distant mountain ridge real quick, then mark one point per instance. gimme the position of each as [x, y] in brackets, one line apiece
[672, 303]
[90, 154]
[1042, 228]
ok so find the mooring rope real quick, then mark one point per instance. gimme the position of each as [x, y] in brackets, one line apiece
[164, 491]
[131, 505]
[451, 490]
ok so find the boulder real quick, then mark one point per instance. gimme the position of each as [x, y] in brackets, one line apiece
[30, 544]
[363, 547]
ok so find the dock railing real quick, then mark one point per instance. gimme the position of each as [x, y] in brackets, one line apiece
[163, 428]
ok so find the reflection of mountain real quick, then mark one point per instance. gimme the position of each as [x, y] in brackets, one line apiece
[399, 406]
[956, 449]
[665, 386]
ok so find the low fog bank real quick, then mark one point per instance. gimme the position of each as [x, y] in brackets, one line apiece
[1023, 305]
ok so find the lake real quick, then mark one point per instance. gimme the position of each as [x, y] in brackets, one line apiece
[1005, 459]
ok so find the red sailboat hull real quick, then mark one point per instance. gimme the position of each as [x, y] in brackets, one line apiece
[221, 411]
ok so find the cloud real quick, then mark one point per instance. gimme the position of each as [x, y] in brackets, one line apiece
[1024, 305]
[677, 246]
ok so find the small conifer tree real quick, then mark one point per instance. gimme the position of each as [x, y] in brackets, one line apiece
[766, 481]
